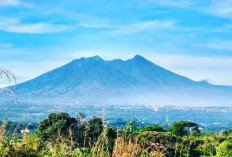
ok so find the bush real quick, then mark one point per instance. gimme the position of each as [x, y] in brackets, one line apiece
[157, 128]
[225, 149]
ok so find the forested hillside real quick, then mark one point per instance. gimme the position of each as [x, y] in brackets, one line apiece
[60, 135]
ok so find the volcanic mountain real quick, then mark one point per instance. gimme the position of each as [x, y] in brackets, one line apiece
[137, 80]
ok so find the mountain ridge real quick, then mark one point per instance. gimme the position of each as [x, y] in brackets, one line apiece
[98, 78]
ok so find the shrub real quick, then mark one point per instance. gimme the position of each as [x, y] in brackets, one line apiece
[225, 149]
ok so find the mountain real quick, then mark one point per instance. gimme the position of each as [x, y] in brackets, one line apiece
[136, 80]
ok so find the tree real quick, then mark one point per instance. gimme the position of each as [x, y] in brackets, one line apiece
[55, 125]
[183, 128]
[130, 127]
[157, 128]
[112, 135]
[79, 130]
[80, 117]
[94, 129]
[227, 133]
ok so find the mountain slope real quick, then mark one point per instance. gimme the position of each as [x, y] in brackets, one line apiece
[95, 80]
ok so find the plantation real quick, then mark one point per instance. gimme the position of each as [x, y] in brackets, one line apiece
[60, 135]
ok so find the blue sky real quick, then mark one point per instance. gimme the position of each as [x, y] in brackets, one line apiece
[189, 37]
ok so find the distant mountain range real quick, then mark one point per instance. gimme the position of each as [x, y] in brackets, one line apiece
[134, 81]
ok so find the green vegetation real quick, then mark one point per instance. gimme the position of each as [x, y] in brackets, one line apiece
[225, 149]
[152, 128]
[55, 126]
[60, 135]
[184, 128]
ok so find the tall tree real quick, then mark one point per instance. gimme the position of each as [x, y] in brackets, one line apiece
[94, 129]
[183, 128]
[57, 124]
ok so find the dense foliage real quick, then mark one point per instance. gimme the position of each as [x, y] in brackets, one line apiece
[183, 128]
[60, 135]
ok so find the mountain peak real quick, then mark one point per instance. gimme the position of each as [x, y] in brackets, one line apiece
[139, 58]
[96, 57]
[87, 59]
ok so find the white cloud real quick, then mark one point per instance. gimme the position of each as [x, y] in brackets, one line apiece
[222, 8]
[5, 45]
[9, 2]
[14, 25]
[82, 19]
[5, 3]
[146, 25]
[220, 45]
[93, 21]
[95, 25]
[175, 3]
[223, 45]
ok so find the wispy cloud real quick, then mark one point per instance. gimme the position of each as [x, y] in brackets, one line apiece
[94, 24]
[219, 45]
[82, 19]
[221, 8]
[4, 3]
[9, 2]
[226, 28]
[175, 3]
[5, 45]
[91, 21]
[146, 25]
[14, 25]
